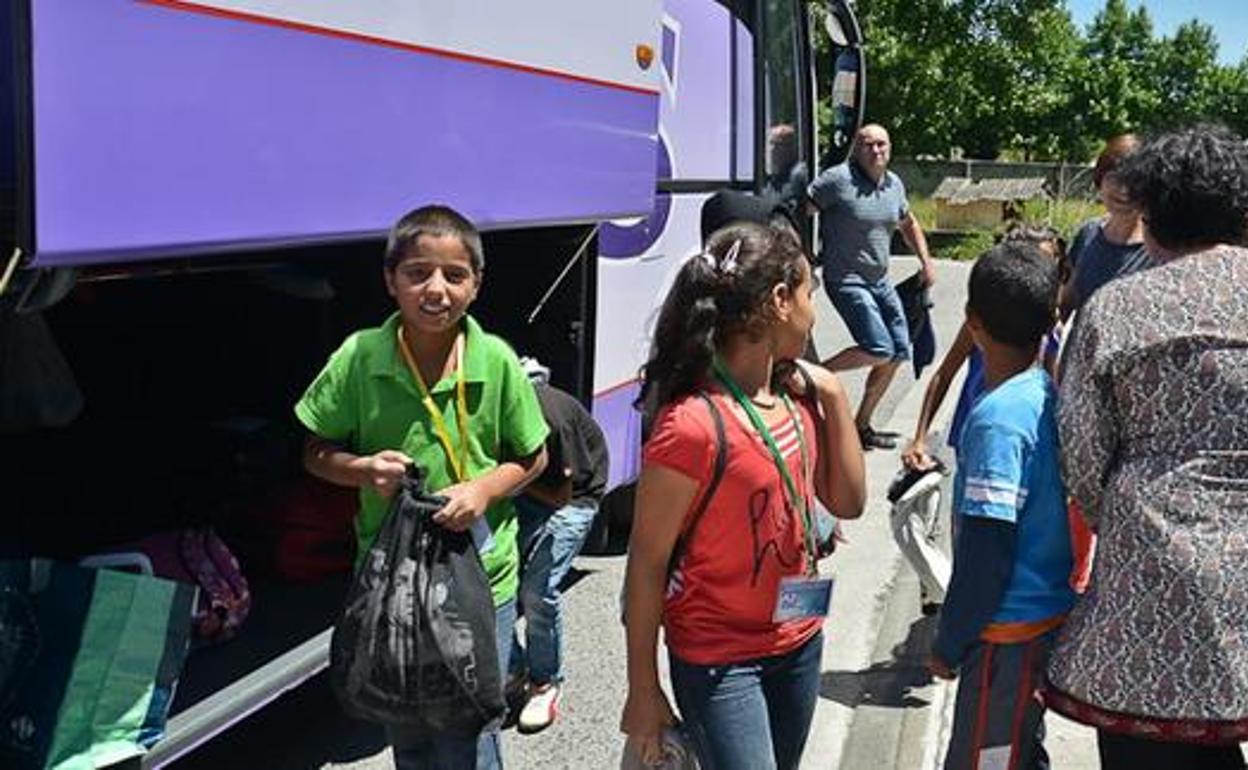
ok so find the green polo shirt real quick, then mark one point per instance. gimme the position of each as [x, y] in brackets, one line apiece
[366, 400]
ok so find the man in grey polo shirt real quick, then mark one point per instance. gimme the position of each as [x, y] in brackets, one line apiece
[861, 204]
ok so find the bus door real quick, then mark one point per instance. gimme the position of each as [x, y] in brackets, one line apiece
[738, 110]
[794, 75]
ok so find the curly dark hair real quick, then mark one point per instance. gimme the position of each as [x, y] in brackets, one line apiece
[1192, 187]
[714, 298]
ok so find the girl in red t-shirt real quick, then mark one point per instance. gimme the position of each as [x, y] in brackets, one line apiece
[742, 605]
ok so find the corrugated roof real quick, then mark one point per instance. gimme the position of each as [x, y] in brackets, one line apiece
[950, 185]
[963, 190]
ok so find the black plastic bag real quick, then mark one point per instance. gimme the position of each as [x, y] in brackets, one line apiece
[416, 641]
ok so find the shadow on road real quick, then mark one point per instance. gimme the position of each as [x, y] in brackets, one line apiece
[888, 683]
[574, 576]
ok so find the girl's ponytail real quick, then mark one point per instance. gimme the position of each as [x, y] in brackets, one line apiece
[683, 346]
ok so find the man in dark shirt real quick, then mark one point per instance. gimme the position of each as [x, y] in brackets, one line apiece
[556, 512]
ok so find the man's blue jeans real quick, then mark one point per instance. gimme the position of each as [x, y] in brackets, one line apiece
[750, 716]
[549, 540]
[483, 752]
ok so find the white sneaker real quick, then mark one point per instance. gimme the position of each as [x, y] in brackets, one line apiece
[541, 710]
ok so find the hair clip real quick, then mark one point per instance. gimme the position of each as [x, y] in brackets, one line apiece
[729, 263]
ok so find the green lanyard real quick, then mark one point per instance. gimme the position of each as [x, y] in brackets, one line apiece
[798, 501]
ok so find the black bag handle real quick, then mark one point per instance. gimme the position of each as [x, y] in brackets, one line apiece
[717, 475]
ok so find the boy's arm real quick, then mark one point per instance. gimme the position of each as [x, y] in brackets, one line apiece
[993, 488]
[327, 410]
[468, 501]
[982, 565]
[327, 460]
[554, 497]
[522, 452]
[916, 455]
[553, 487]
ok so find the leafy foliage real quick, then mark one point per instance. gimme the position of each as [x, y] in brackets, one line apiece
[987, 78]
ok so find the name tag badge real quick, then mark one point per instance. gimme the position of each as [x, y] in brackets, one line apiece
[803, 597]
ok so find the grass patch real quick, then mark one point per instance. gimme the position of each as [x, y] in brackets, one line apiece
[924, 210]
[965, 246]
[1064, 215]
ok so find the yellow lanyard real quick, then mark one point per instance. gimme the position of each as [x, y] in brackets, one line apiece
[459, 462]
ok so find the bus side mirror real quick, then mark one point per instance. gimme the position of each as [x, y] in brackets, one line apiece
[836, 31]
[848, 73]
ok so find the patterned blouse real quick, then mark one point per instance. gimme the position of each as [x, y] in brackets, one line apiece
[1154, 428]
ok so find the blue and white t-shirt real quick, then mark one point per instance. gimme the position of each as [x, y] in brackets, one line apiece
[1008, 471]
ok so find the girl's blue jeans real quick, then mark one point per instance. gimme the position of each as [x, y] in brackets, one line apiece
[754, 715]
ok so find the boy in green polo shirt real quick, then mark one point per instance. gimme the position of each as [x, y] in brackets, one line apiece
[430, 387]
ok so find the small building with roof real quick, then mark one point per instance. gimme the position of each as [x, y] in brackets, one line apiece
[964, 204]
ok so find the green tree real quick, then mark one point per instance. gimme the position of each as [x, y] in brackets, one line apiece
[987, 77]
[1229, 103]
[1114, 94]
[1023, 57]
[1186, 76]
[980, 76]
[912, 68]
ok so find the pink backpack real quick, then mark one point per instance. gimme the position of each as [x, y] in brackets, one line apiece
[201, 558]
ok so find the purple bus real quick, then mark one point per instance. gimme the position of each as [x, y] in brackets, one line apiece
[193, 197]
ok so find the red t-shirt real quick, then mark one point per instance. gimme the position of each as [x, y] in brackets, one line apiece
[723, 593]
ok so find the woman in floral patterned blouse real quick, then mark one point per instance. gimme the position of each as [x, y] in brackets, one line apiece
[1154, 428]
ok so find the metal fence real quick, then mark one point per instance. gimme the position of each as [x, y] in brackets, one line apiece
[922, 177]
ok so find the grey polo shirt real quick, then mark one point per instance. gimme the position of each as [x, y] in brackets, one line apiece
[857, 223]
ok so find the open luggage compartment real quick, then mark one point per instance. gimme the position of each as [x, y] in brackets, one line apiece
[189, 377]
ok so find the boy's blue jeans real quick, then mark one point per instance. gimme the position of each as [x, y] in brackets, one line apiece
[750, 716]
[549, 540]
[483, 752]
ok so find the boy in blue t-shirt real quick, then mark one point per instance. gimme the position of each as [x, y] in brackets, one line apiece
[1012, 557]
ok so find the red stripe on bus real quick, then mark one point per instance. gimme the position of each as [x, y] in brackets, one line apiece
[636, 381]
[359, 37]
